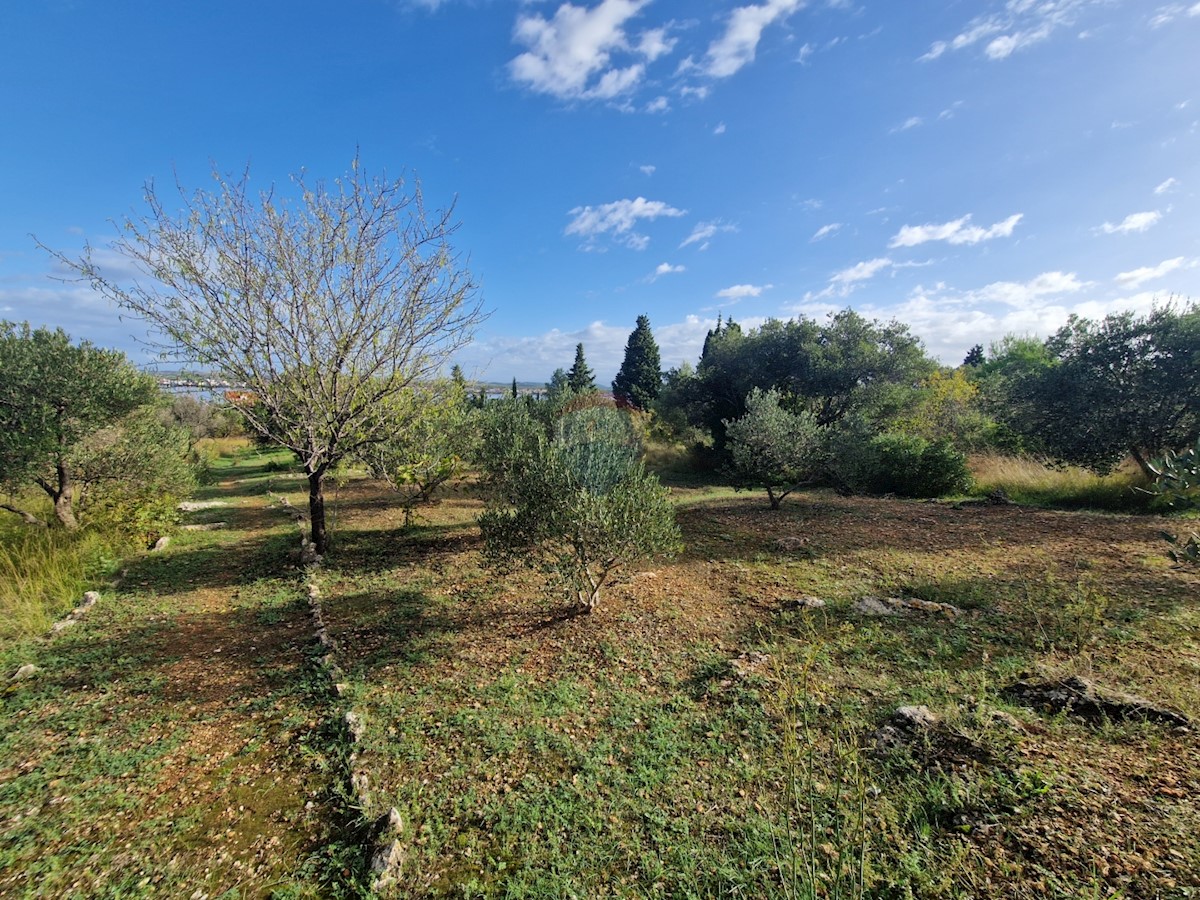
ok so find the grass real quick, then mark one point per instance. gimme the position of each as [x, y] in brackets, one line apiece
[44, 573]
[1034, 483]
[698, 736]
[180, 739]
[695, 738]
[223, 447]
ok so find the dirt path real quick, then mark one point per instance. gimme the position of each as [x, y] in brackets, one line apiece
[177, 742]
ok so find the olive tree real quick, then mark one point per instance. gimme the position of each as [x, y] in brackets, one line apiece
[326, 302]
[774, 448]
[432, 439]
[54, 396]
[1126, 385]
[577, 504]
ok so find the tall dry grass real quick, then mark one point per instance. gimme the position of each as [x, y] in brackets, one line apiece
[43, 574]
[1031, 481]
[222, 447]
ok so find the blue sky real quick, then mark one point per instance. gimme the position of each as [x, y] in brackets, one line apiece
[969, 168]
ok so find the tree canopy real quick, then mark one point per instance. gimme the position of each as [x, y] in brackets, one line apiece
[54, 395]
[327, 302]
[1097, 391]
[847, 364]
[640, 377]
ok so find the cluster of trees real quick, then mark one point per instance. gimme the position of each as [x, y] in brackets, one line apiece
[859, 404]
[1096, 392]
[638, 381]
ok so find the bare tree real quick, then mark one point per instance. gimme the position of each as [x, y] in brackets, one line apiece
[325, 304]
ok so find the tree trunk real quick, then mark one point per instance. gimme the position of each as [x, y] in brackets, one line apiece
[62, 494]
[63, 511]
[316, 510]
[1143, 464]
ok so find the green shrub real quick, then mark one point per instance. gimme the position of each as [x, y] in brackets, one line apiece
[578, 506]
[906, 465]
[133, 474]
[598, 445]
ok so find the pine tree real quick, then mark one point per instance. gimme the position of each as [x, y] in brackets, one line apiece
[640, 377]
[580, 378]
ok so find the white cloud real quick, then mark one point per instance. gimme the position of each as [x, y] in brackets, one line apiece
[1134, 222]
[570, 56]
[705, 231]
[742, 291]
[1167, 186]
[862, 271]
[1164, 15]
[805, 53]
[666, 269]
[647, 170]
[720, 129]
[949, 111]
[655, 43]
[1136, 278]
[1021, 294]
[825, 231]
[743, 30]
[956, 232]
[658, 105]
[1021, 24]
[910, 122]
[618, 218]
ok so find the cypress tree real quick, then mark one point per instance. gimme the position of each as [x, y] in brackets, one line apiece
[640, 377]
[580, 378]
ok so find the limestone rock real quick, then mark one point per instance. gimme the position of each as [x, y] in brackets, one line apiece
[161, 544]
[902, 606]
[749, 664]
[801, 604]
[196, 505]
[1081, 697]
[905, 726]
[26, 671]
[914, 718]
[390, 851]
